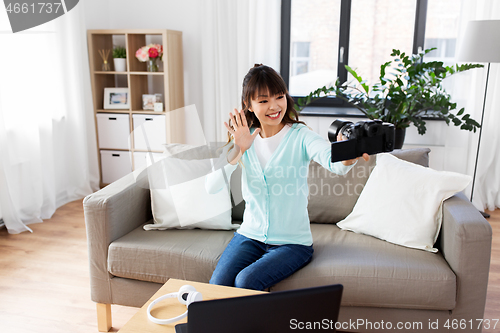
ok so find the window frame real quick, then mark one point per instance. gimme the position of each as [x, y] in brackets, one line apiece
[344, 32]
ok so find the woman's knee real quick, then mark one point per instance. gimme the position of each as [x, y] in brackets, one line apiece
[218, 280]
[246, 280]
[222, 277]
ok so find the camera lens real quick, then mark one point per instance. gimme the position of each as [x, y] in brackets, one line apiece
[347, 131]
[337, 127]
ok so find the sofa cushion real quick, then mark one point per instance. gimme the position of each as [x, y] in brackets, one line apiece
[190, 152]
[332, 197]
[402, 203]
[156, 256]
[176, 185]
[376, 273]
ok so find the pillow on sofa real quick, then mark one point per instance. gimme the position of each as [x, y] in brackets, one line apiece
[401, 203]
[179, 199]
[190, 152]
[332, 197]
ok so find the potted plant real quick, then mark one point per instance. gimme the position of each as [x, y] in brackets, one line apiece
[119, 59]
[408, 90]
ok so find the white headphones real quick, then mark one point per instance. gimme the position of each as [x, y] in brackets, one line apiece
[186, 295]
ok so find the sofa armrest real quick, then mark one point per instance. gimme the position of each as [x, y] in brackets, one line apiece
[466, 246]
[111, 213]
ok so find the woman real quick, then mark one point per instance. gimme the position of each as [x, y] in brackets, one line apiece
[275, 150]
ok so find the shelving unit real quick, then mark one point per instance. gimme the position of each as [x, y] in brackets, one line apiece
[168, 81]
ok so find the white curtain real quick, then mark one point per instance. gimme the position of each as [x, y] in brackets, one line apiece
[472, 89]
[236, 35]
[47, 137]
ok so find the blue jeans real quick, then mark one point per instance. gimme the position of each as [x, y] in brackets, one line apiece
[250, 264]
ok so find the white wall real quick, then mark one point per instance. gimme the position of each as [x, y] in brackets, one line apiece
[185, 16]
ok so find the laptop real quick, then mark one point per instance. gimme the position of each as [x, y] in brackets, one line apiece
[283, 311]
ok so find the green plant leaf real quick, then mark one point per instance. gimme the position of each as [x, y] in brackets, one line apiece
[119, 52]
[402, 102]
[358, 78]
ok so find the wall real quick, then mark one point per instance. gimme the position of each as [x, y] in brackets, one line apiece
[185, 16]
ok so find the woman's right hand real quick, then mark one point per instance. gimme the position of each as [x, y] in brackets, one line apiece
[240, 131]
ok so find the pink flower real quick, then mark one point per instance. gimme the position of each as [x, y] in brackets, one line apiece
[142, 54]
[160, 49]
[149, 51]
[153, 52]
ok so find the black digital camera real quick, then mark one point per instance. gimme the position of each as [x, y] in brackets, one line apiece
[371, 137]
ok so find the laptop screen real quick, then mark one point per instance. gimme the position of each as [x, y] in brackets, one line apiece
[284, 311]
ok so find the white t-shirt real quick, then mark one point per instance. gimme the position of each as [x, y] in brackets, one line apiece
[265, 147]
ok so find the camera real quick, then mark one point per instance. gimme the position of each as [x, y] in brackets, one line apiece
[371, 137]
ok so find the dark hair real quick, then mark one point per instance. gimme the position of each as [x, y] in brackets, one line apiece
[259, 80]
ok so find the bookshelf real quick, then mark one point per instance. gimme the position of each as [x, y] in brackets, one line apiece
[118, 144]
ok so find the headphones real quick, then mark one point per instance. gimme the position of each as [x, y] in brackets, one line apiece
[186, 295]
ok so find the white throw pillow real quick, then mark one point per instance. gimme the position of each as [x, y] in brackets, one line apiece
[179, 199]
[401, 203]
[190, 152]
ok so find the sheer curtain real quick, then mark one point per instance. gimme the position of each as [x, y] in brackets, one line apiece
[487, 185]
[236, 35]
[47, 137]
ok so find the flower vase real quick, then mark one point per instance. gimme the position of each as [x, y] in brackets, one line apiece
[153, 65]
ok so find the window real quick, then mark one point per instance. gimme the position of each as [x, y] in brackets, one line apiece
[320, 36]
[378, 27]
[300, 59]
[445, 47]
[314, 38]
[442, 29]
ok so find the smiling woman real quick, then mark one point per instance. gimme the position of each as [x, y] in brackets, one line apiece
[274, 240]
[265, 101]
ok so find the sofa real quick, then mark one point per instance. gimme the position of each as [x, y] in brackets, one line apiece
[387, 287]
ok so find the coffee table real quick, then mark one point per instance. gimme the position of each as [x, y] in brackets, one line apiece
[171, 307]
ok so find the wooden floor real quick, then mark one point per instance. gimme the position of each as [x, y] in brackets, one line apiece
[44, 278]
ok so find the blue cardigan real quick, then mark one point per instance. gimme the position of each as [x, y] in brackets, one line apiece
[276, 197]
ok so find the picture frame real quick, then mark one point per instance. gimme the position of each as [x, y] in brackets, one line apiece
[149, 101]
[116, 98]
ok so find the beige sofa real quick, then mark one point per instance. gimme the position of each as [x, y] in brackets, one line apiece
[386, 287]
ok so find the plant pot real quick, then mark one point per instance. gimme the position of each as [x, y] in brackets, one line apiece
[399, 138]
[120, 64]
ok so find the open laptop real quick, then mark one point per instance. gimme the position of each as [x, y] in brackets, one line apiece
[284, 311]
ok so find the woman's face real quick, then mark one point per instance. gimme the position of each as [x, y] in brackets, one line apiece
[270, 111]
